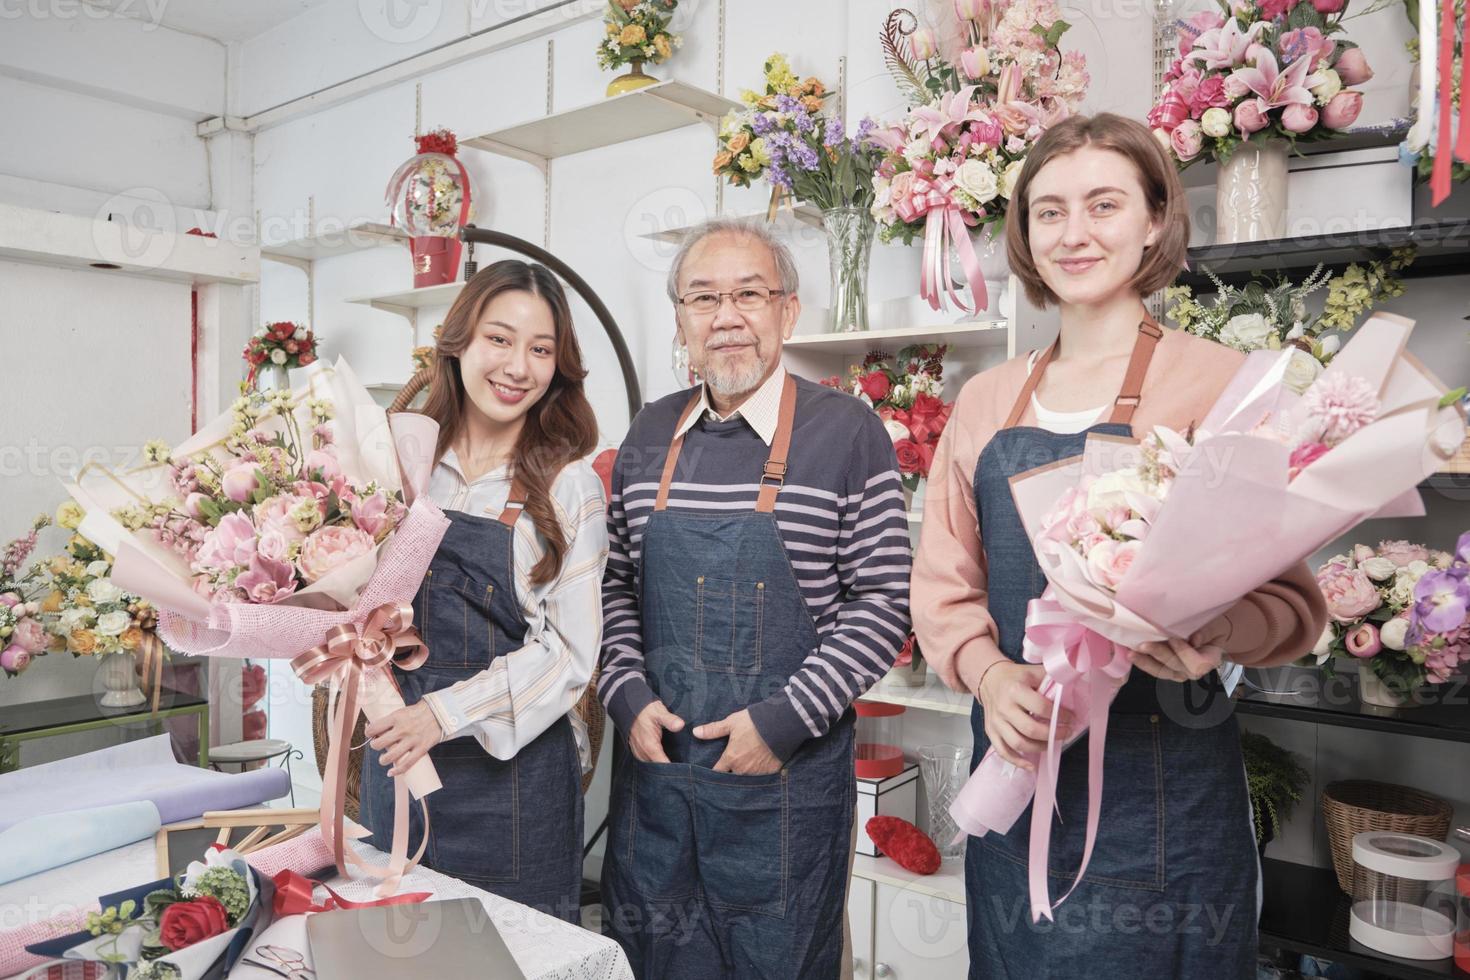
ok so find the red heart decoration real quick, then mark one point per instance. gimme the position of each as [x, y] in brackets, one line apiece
[905, 843]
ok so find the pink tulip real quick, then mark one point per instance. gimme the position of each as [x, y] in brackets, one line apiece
[1352, 67]
[974, 62]
[14, 658]
[1342, 110]
[1250, 117]
[193, 505]
[1298, 118]
[1362, 641]
[923, 44]
[324, 459]
[10, 599]
[239, 481]
[971, 9]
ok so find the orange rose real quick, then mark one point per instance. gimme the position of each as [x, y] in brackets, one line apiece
[812, 104]
[739, 142]
[722, 160]
[131, 638]
[83, 642]
[631, 35]
[814, 86]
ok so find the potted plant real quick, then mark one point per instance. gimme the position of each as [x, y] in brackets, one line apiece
[1275, 779]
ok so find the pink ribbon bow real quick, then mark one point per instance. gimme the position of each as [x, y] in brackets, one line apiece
[357, 666]
[944, 227]
[1081, 666]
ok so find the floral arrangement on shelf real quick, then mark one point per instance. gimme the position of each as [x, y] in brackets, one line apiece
[1401, 608]
[283, 344]
[276, 514]
[906, 392]
[1259, 70]
[22, 632]
[636, 31]
[1265, 315]
[87, 614]
[423, 358]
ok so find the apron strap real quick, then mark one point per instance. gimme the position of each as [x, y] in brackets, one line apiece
[1128, 398]
[515, 504]
[773, 474]
[672, 459]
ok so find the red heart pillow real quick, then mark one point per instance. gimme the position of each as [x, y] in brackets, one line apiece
[905, 843]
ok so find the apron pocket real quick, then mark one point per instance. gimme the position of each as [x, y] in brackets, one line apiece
[742, 829]
[474, 821]
[728, 625]
[655, 838]
[456, 621]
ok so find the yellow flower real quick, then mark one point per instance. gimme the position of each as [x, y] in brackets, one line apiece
[748, 164]
[631, 35]
[53, 602]
[612, 29]
[758, 152]
[69, 515]
[661, 45]
[83, 642]
[749, 97]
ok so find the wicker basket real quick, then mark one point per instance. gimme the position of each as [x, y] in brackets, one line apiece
[1352, 806]
[1460, 462]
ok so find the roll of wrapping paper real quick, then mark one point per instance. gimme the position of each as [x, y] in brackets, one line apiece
[1440, 175]
[44, 842]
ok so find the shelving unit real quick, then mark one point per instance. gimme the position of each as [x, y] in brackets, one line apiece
[408, 302]
[1449, 722]
[932, 696]
[787, 221]
[947, 883]
[358, 237]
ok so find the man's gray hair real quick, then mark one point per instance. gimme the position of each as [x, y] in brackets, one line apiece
[756, 229]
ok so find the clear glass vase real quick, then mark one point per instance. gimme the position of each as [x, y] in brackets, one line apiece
[849, 244]
[944, 768]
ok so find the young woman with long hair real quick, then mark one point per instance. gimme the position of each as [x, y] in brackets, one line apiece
[510, 607]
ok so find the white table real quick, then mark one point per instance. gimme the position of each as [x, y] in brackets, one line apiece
[544, 947]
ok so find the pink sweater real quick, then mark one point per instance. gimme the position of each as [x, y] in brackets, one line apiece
[1273, 625]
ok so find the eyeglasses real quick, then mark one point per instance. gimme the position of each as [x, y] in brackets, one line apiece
[746, 298]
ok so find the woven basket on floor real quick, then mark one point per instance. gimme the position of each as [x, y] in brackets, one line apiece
[1352, 806]
[588, 707]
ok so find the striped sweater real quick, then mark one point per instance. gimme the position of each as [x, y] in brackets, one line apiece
[841, 518]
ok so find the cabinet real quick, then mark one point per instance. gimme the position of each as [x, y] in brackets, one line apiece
[905, 925]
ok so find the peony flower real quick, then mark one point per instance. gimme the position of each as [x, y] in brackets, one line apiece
[329, 548]
[1187, 140]
[1215, 122]
[274, 514]
[1246, 332]
[1250, 116]
[82, 642]
[183, 924]
[30, 634]
[1362, 641]
[976, 179]
[1339, 405]
[239, 481]
[1108, 561]
[1350, 596]
[278, 356]
[1341, 112]
[1352, 67]
[325, 461]
[228, 545]
[273, 545]
[1210, 93]
[1297, 118]
[14, 658]
[267, 580]
[376, 515]
[1378, 568]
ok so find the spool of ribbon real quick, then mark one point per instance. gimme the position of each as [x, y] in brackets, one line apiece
[294, 896]
[150, 666]
[1083, 668]
[945, 227]
[357, 667]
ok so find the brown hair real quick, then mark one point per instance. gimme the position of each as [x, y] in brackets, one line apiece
[1162, 190]
[559, 428]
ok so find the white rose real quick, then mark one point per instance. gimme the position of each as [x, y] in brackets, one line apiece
[1323, 649]
[278, 356]
[113, 623]
[299, 334]
[1329, 83]
[1379, 569]
[976, 179]
[1301, 371]
[1009, 177]
[896, 430]
[1330, 345]
[1215, 122]
[1246, 332]
[98, 569]
[1108, 491]
[74, 618]
[1394, 633]
[102, 590]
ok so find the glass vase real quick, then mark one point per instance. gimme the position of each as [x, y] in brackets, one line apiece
[1250, 194]
[945, 768]
[849, 245]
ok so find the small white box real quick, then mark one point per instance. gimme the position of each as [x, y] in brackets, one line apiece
[1342, 191]
[895, 796]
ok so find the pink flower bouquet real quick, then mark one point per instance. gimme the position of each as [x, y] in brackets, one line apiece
[1263, 69]
[291, 527]
[1143, 541]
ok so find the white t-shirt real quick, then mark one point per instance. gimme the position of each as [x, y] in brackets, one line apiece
[1062, 422]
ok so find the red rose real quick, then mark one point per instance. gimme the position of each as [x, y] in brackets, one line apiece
[926, 458]
[923, 419]
[292, 347]
[876, 386]
[909, 458]
[306, 359]
[186, 923]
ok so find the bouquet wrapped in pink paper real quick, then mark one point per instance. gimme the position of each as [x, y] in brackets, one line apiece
[291, 527]
[1142, 541]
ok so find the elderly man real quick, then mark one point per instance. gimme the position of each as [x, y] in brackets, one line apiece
[757, 583]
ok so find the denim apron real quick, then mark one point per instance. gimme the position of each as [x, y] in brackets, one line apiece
[1170, 890]
[511, 827]
[712, 874]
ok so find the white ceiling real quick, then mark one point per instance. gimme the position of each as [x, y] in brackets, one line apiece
[222, 20]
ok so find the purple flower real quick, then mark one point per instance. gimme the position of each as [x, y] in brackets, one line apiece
[1442, 600]
[834, 134]
[1462, 549]
[865, 128]
[785, 103]
[803, 121]
[804, 155]
[761, 123]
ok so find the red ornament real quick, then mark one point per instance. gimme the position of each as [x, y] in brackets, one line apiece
[437, 141]
[909, 846]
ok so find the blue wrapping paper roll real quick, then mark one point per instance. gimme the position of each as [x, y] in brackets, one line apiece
[41, 843]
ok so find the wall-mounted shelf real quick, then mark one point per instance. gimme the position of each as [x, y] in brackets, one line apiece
[975, 335]
[787, 221]
[947, 883]
[931, 696]
[359, 237]
[645, 112]
[79, 242]
[1448, 721]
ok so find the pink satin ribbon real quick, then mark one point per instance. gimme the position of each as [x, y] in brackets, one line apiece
[1440, 174]
[944, 226]
[348, 661]
[1071, 653]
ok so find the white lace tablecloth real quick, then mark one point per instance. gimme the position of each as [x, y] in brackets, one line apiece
[544, 947]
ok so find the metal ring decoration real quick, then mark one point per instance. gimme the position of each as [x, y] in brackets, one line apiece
[484, 236]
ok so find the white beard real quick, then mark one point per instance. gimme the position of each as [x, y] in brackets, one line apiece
[731, 381]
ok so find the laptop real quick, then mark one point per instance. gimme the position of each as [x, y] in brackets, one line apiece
[445, 940]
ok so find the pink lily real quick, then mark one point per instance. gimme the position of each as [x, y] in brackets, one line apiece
[1225, 46]
[1276, 87]
[1015, 115]
[952, 109]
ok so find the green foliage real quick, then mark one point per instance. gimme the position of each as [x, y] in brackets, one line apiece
[1275, 780]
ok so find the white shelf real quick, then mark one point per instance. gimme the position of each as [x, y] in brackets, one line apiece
[915, 516]
[947, 883]
[655, 109]
[359, 237]
[79, 242]
[787, 221]
[412, 299]
[386, 387]
[986, 333]
[931, 696]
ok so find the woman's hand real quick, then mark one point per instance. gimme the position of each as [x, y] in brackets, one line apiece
[404, 736]
[1017, 718]
[1179, 660]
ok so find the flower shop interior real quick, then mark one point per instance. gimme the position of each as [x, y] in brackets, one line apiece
[184, 180]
